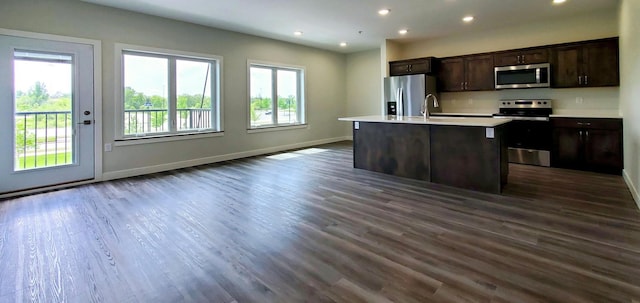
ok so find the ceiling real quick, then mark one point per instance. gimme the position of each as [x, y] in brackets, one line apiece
[326, 23]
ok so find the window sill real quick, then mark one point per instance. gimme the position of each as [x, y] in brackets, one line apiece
[265, 129]
[165, 138]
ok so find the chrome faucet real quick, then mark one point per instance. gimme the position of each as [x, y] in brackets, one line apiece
[425, 105]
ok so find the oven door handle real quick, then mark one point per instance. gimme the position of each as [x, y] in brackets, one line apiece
[521, 118]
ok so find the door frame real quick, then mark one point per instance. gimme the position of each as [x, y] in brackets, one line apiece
[97, 103]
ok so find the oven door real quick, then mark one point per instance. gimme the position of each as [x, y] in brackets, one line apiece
[529, 141]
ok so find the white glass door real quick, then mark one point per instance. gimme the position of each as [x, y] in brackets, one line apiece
[46, 113]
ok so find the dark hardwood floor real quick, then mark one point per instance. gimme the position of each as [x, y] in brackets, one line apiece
[311, 228]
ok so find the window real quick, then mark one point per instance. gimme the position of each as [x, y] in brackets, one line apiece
[166, 93]
[275, 96]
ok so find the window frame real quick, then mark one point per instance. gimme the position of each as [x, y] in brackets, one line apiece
[301, 107]
[172, 56]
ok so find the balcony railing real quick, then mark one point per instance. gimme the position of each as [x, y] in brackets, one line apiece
[142, 121]
[43, 139]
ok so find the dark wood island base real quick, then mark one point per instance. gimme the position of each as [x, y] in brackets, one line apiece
[469, 157]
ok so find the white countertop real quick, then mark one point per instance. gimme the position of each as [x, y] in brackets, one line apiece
[464, 114]
[585, 114]
[454, 121]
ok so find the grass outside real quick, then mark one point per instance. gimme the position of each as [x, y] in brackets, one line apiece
[40, 160]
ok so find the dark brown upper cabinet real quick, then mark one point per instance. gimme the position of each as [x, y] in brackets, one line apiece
[586, 64]
[412, 66]
[520, 57]
[466, 73]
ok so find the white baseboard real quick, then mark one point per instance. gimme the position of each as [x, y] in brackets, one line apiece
[48, 188]
[632, 188]
[208, 160]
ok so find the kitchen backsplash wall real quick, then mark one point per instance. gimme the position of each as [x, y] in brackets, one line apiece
[597, 99]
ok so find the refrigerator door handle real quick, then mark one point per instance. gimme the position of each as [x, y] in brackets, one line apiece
[400, 102]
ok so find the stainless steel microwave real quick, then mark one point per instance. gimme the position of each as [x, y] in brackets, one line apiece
[523, 76]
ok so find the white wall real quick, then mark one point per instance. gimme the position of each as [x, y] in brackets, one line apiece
[325, 78]
[595, 25]
[601, 24]
[630, 91]
[363, 78]
[603, 100]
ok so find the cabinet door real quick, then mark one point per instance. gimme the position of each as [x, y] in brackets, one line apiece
[422, 66]
[398, 68]
[567, 148]
[534, 56]
[479, 73]
[452, 75]
[519, 57]
[601, 64]
[410, 67]
[566, 66]
[507, 58]
[603, 150]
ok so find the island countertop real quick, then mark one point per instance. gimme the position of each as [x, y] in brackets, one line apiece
[453, 121]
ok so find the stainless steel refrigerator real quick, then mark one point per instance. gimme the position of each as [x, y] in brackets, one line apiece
[404, 95]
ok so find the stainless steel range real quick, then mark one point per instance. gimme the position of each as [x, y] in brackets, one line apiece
[529, 134]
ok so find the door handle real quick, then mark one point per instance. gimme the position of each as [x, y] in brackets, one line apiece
[400, 102]
[85, 122]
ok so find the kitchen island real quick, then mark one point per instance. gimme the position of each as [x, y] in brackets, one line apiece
[469, 153]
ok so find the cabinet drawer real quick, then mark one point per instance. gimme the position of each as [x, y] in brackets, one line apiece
[590, 123]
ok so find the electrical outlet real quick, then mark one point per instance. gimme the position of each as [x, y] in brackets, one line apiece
[579, 100]
[108, 147]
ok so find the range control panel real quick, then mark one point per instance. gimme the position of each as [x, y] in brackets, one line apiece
[520, 103]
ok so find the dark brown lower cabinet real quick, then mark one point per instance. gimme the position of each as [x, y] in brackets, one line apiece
[587, 144]
[459, 156]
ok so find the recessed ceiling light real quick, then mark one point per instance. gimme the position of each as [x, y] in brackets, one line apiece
[559, 1]
[384, 12]
[403, 31]
[297, 33]
[343, 44]
[467, 18]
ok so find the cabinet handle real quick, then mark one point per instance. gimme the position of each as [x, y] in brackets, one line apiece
[580, 134]
[523, 60]
[586, 134]
[518, 59]
[584, 123]
[579, 80]
[586, 80]
[461, 85]
[408, 67]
